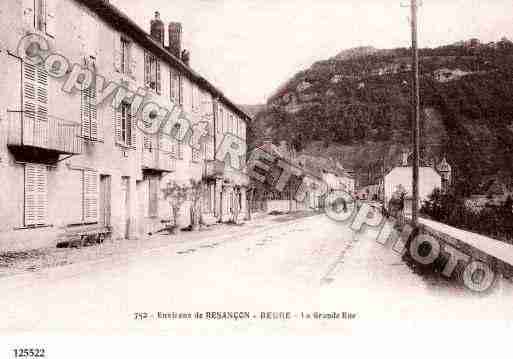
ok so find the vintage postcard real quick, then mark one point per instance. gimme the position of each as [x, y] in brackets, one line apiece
[243, 167]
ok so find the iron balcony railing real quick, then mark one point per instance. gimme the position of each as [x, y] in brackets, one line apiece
[51, 133]
[158, 160]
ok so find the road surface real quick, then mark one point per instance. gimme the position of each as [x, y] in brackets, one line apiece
[288, 271]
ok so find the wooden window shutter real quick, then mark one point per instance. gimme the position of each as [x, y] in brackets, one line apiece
[173, 84]
[118, 52]
[89, 113]
[180, 90]
[93, 111]
[36, 194]
[84, 114]
[50, 22]
[90, 126]
[132, 60]
[131, 127]
[147, 143]
[42, 194]
[29, 102]
[117, 124]
[35, 105]
[146, 68]
[28, 13]
[90, 196]
[157, 75]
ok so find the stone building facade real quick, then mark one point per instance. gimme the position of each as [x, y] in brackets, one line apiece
[68, 160]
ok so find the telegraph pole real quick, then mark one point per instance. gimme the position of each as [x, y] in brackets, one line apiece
[415, 112]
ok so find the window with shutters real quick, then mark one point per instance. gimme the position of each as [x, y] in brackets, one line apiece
[147, 140]
[36, 194]
[220, 122]
[35, 105]
[174, 83]
[89, 114]
[125, 57]
[152, 72]
[124, 125]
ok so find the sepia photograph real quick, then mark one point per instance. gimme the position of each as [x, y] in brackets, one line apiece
[219, 168]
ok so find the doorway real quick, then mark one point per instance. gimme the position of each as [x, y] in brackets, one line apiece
[125, 207]
[105, 211]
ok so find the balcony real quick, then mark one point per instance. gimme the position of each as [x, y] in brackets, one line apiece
[158, 161]
[51, 136]
[213, 169]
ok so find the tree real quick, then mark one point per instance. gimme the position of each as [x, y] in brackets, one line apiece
[176, 194]
[196, 190]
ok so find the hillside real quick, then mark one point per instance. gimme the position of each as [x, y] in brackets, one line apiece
[355, 107]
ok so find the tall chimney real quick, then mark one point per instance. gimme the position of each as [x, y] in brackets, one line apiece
[157, 28]
[175, 38]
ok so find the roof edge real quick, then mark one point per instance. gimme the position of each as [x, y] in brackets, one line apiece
[120, 20]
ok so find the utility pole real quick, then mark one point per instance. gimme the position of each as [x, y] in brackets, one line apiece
[415, 112]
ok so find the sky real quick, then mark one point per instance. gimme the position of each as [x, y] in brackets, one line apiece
[247, 48]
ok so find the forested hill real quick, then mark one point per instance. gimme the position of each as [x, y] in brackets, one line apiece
[355, 107]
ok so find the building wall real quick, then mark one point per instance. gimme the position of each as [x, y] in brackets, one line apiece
[339, 183]
[80, 34]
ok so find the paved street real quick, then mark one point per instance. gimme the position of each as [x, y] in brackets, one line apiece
[303, 265]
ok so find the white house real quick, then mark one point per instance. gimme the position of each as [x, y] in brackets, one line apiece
[429, 179]
[446, 75]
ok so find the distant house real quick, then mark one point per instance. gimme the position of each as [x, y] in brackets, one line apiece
[338, 181]
[336, 79]
[370, 192]
[402, 176]
[446, 75]
[273, 200]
